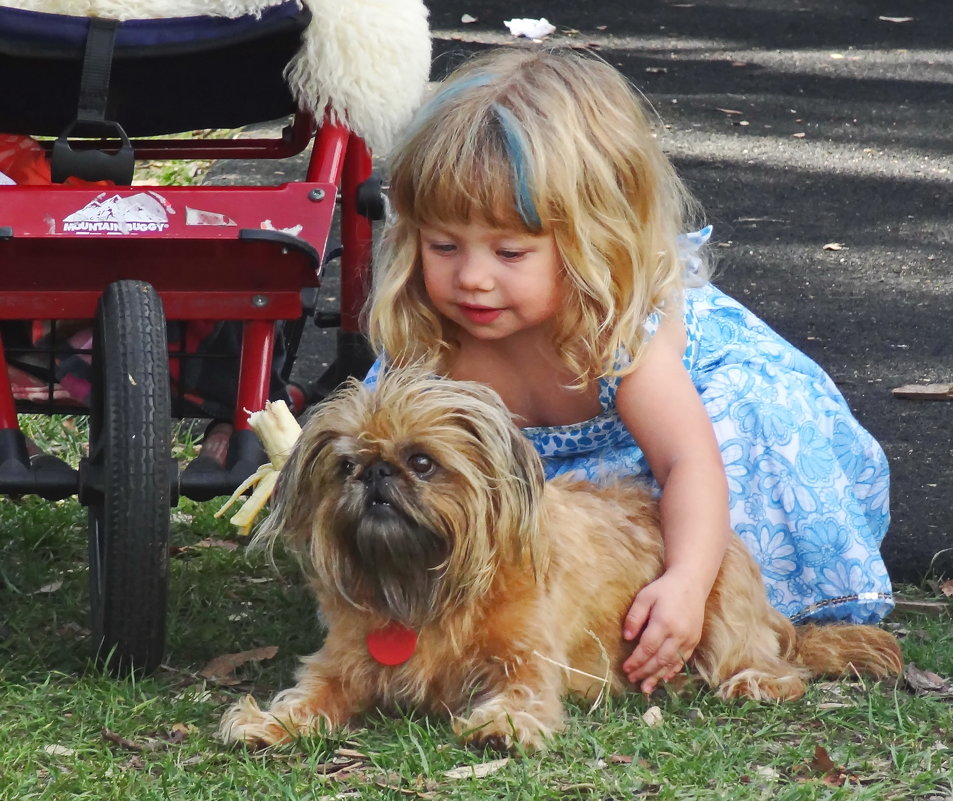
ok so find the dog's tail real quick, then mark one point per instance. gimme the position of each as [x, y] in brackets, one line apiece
[838, 649]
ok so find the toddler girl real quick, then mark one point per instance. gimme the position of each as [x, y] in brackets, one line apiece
[537, 247]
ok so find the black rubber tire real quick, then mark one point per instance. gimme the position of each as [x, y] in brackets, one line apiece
[129, 453]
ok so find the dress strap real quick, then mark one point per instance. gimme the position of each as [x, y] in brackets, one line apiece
[689, 250]
[373, 374]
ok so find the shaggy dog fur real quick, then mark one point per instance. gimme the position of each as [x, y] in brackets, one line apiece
[419, 502]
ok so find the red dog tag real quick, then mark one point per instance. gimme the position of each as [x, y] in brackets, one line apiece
[393, 644]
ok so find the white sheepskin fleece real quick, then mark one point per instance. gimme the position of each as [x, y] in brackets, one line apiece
[365, 62]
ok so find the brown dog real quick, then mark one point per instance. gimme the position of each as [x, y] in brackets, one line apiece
[451, 578]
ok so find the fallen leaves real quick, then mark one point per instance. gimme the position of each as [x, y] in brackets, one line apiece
[477, 771]
[924, 392]
[178, 552]
[48, 589]
[828, 771]
[161, 741]
[357, 767]
[926, 682]
[823, 769]
[221, 669]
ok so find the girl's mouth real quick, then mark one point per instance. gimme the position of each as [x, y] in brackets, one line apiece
[481, 315]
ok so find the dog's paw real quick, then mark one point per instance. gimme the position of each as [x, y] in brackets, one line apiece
[245, 722]
[761, 686]
[495, 726]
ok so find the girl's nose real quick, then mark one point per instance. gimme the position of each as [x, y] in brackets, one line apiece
[474, 273]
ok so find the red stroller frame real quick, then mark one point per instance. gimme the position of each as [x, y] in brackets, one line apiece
[130, 258]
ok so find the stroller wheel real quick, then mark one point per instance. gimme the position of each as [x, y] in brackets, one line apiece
[128, 493]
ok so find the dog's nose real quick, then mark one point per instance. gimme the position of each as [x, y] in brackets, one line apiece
[378, 486]
[377, 471]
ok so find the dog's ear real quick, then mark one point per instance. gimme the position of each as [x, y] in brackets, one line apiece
[514, 465]
[293, 503]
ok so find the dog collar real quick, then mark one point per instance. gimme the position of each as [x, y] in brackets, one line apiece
[392, 644]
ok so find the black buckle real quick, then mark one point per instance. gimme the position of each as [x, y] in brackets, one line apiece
[92, 163]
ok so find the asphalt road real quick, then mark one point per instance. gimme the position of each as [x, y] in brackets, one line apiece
[817, 134]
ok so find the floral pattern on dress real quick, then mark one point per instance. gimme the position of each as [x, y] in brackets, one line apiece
[808, 486]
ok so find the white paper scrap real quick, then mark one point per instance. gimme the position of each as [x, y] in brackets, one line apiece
[530, 28]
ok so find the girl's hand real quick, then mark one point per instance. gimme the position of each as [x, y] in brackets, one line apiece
[667, 618]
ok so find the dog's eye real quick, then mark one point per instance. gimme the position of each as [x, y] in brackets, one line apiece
[421, 464]
[348, 468]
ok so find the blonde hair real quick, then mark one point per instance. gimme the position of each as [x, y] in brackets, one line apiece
[547, 142]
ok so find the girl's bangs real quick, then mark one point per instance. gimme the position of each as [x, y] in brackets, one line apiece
[473, 181]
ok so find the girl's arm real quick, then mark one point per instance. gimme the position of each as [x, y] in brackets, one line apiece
[662, 409]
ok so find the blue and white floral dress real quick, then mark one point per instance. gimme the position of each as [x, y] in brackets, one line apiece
[809, 487]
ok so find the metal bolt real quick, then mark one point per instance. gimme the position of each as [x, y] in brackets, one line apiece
[316, 195]
[259, 301]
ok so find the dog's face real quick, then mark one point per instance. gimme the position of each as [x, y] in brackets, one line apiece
[404, 498]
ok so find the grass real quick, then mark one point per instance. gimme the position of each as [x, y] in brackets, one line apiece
[70, 732]
[179, 172]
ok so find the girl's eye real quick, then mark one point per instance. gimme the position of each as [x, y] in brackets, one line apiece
[510, 255]
[441, 247]
[421, 464]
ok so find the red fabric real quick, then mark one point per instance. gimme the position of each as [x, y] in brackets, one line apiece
[24, 161]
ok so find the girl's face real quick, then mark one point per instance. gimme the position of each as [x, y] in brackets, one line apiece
[491, 282]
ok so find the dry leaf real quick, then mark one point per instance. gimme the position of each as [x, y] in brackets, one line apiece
[925, 682]
[822, 761]
[53, 586]
[339, 767]
[180, 732]
[466, 19]
[799, 135]
[925, 392]
[652, 716]
[58, 750]
[947, 588]
[221, 669]
[832, 773]
[127, 744]
[727, 110]
[476, 771]
[834, 246]
[896, 19]
[213, 542]
[350, 753]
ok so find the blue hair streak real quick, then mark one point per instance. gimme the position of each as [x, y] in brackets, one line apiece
[443, 95]
[516, 150]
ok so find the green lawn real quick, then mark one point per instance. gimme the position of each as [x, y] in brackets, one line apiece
[68, 732]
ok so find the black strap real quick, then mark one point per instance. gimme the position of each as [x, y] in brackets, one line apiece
[97, 67]
[87, 163]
